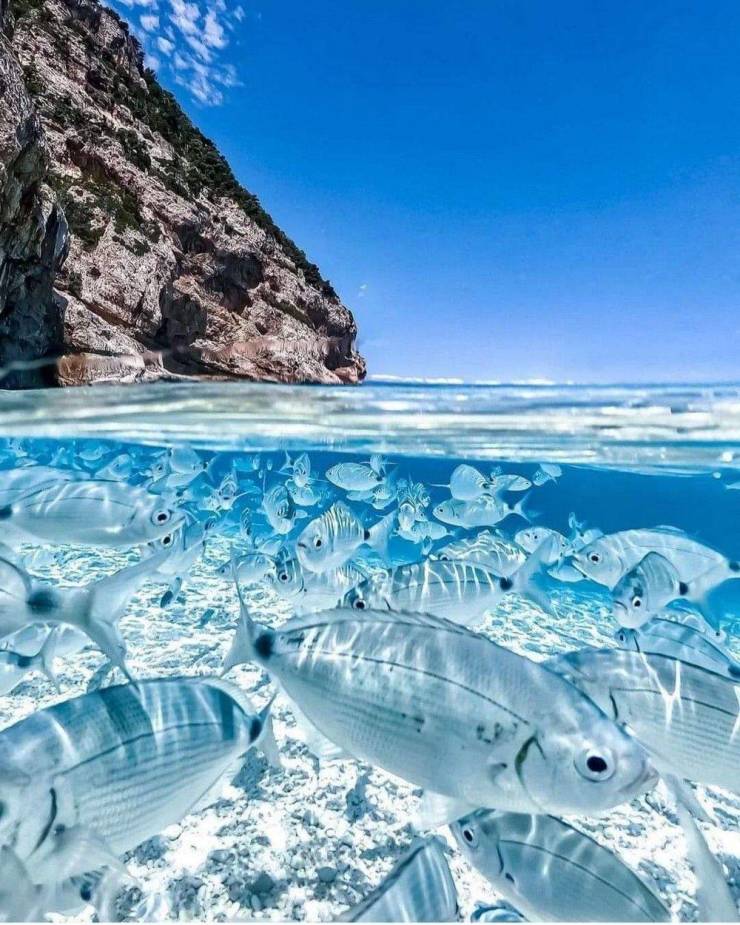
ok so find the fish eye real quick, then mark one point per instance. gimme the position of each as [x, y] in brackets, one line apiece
[636, 601]
[595, 558]
[161, 517]
[317, 542]
[359, 604]
[283, 576]
[86, 892]
[167, 540]
[469, 835]
[596, 765]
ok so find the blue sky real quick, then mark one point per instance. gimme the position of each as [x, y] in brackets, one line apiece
[499, 190]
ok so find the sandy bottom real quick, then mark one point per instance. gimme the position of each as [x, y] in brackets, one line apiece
[307, 842]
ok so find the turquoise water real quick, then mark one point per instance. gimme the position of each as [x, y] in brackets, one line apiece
[199, 480]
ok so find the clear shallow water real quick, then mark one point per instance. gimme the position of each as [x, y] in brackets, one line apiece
[309, 841]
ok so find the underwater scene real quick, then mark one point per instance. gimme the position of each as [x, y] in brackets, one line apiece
[391, 653]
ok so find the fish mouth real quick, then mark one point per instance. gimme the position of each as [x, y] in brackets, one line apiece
[645, 781]
[577, 566]
[619, 605]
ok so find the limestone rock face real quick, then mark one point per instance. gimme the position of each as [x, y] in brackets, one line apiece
[127, 248]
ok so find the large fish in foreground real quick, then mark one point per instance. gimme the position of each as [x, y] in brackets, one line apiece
[88, 512]
[420, 888]
[88, 779]
[688, 718]
[447, 710]
[550, 871]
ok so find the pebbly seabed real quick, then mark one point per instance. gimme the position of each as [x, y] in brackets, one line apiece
[307, 842]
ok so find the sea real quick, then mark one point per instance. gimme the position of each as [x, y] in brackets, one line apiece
[241, 471]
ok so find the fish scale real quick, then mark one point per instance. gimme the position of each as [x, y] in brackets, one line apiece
[126, 762]
[697, 733]
[445, 709]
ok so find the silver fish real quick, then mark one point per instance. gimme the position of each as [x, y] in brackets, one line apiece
[485, 511]
[15, 483]
[665, 636]
[531, 538]
[467, 483]
[420, 888]
[119, 468]
[608, 558]
[551, 871]
[89, 512]
[299, 469]
[686, 717]
[280, 510]
[88, 779]
[15, 666]
[354, 476]
[460, 591]
[547, 472]
[309, 592]
[508, 482]
[447, 710]
[653, 583]
[251, 568]
[488, 550]
[331, 539]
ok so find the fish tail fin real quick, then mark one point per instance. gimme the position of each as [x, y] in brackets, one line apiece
[88, 610]
[47, 655]
[247, 645]
[521, 510]
[527, 579]
[266, 739]
[379, 535]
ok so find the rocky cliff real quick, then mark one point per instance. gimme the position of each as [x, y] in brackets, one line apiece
[127, 248]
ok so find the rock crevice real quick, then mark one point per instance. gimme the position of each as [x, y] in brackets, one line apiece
[127, 248]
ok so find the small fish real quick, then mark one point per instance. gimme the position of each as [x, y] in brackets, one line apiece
[686, 717]
[508, 482]
[89, 512]
[547, 472]
[422, 530]
[309, 592]
[280, 510]
[608, 558]
[550, 871]
[299, 468]
[119, 468]
[68, 772]
[662, 635]
[485, 511]
[653, 583]
[331, 539]
[354, 476]
[184, 459]
[460, 591]
[531, 538]
[303, 495]
[420, 888]
[489, 550]
[447, 710]
[251, 568]
[467, 483]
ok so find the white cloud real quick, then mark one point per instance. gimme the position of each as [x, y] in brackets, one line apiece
[191, 39]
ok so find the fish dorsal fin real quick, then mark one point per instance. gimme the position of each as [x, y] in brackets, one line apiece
[667, 528]
[350, 615]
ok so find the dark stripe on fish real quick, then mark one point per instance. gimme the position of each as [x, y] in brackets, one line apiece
[421, 671]
[51, 820]
[569, 860]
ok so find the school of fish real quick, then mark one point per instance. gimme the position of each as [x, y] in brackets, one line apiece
[385, 660]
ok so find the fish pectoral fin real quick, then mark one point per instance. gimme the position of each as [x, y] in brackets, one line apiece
[78, 850]
[683, 794]
[436, 810]
[315, 740]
